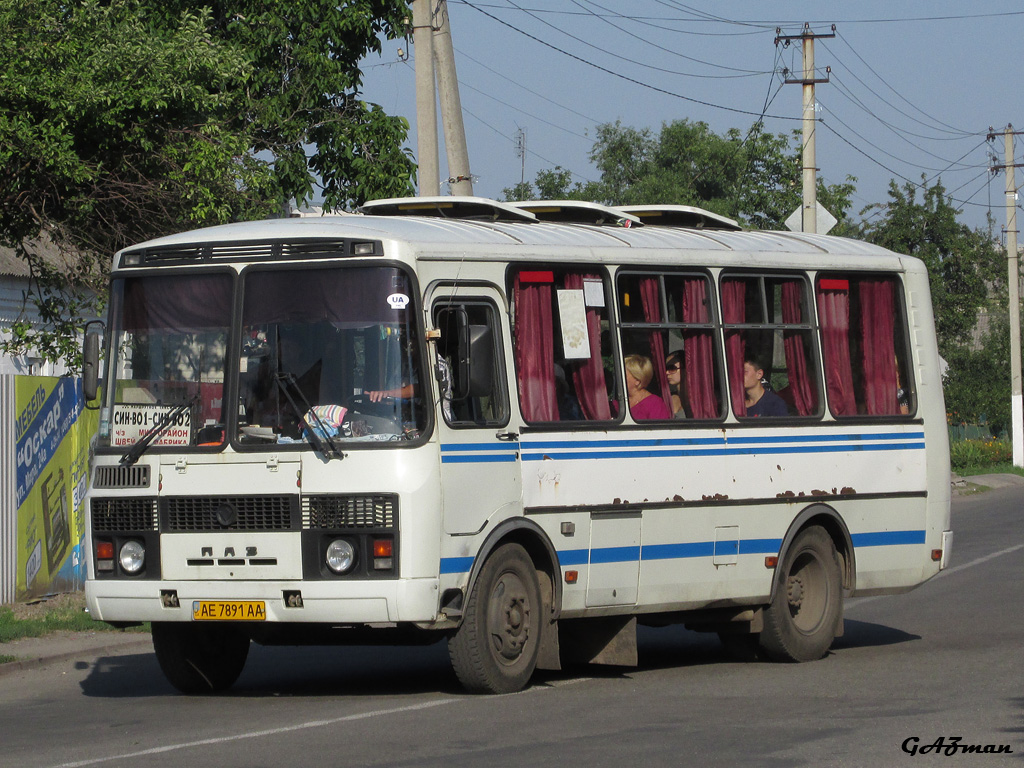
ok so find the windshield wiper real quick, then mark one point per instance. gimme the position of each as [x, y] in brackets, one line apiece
[325, 444]
[139, 446]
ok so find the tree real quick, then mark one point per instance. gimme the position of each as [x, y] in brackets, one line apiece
[963, 264]
[124, 121]
[754, 178]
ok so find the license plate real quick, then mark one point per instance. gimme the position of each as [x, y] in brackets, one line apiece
[229, 610]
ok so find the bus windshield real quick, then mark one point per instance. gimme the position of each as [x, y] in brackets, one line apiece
[328, 353]
[169, 338]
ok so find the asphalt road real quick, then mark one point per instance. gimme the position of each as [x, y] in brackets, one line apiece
[946, 660]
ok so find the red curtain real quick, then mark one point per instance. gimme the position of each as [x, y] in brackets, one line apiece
[878, 346]
[534, 348]
[800, 385]
[650, 299]
[834, 316]
[734, 310]
[698, 352]
[588, 375]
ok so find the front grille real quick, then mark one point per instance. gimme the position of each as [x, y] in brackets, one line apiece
[350, 511]
[123, 514]
[135, 476]
[232, 513]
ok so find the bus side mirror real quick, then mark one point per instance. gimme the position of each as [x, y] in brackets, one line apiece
[91, 362]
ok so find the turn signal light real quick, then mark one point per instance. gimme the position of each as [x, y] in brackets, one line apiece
[104, 550]
[771, 561]
[936, 555]
[571, 576]
[382, 547]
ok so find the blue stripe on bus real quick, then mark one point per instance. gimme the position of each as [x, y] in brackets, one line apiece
[510, 446]
[678, 551]
[482, 453]
[481, 458]
[887, 538]
[683, 550]
[456, 564]
[723, 441]
[751, 451]
[614, 555]
[574, 556]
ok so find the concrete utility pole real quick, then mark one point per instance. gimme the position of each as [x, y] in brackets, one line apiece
[426, 99]
[808, 81]
[460, 180]
[1013, 283]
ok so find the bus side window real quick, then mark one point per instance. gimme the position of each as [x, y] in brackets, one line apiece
[471, 382]
[864, 345]
[669, 319]
[768, 326]
[564, 363]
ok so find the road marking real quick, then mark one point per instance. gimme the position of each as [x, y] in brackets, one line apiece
[258, 734]
[857, 601]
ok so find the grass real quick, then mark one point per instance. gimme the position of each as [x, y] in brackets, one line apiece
[989, 469]
[59, 613]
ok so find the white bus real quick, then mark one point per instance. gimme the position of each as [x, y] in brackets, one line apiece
[521, 428]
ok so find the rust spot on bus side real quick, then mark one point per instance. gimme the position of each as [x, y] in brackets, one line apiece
[785, 495]
[716, 497]
[677, 497]
[848, 491]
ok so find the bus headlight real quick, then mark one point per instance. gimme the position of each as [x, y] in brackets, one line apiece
[340, 555]
[132, 557]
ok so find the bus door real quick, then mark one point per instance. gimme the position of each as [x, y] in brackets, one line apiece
[480, 472]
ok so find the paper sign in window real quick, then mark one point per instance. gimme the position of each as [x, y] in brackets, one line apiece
[572, 315]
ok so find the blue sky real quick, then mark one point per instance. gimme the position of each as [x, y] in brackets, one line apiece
[915, 86]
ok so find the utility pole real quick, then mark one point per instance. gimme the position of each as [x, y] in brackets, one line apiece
[808, 81]
[521, 153]
[1013, 283]
[460, 179]
[426, 99]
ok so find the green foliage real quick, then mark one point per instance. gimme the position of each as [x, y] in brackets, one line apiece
[977, 454]
[977, 383]
[68, 618]
[120, 122]
[754, 178]
[961, 262]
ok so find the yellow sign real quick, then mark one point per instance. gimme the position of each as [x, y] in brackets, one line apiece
[52, 431]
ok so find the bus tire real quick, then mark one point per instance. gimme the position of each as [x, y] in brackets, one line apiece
[802, 620]
[199, 659]
[495, 648]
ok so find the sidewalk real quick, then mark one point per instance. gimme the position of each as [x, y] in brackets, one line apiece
[88, 646]
[71, 646]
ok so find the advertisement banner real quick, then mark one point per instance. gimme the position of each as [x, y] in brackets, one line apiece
[53, 431]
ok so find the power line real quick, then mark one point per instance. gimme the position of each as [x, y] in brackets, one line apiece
[560, 30]
[884, 82]
[619, 74]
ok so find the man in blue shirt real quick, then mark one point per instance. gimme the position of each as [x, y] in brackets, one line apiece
[760, 401]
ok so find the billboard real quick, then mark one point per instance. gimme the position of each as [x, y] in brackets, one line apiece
[53, 431]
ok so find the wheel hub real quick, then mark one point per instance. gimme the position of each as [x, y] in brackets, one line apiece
[795, 592]
[510, 619]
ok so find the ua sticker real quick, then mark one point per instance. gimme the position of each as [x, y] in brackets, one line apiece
[398, 301]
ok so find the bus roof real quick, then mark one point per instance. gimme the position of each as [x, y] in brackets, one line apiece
[475, 224]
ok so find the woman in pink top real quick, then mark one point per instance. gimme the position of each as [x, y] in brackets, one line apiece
[643, 405]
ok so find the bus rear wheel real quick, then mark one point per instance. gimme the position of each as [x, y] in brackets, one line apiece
[198, 659]
[803, 619]
[495, 649]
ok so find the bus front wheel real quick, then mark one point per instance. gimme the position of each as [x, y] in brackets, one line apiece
[495, 649]
[199, 659]
[803, 619]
